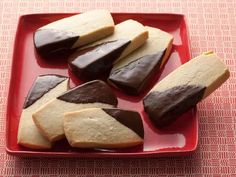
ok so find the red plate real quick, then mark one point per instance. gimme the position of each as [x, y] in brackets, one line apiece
[179, 138]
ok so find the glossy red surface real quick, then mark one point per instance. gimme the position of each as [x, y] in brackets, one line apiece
[177, 139]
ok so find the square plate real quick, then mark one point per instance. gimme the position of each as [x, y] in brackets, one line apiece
[179, 138]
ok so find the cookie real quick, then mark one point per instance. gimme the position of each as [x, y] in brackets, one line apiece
[133, 73]
[94, 94]
[44, 89]
[103, 128]
[183, 88]
[73, 32]
[98, 58]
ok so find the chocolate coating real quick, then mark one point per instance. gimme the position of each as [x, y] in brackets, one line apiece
[135, 76]
[91, 92]
[97, 60]
[42, 85]
[165, 107]
[130, 119]
[51, 41]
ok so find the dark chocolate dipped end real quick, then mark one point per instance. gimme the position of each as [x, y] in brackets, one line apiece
[163, 108]
[134, 77]
[49, 42]
[42, 85]
[91, 92]
[95, 61]
[128, 118]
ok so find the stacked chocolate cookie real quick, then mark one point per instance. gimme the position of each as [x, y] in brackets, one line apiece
[128, 55]
[49, 114]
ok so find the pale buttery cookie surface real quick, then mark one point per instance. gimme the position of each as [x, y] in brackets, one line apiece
[99, 57]
[103, 128]
[74, 31]
[184, 88]
[94, 94]
[132, 73]
[44, 89]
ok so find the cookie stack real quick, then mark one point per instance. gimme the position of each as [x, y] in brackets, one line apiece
[129, 55]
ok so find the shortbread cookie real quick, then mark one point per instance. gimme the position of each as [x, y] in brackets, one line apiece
[74, 31]
[184, 88]
[103, 128]
[98, 57]
[94, 94]
[44, 89]
[132, 73]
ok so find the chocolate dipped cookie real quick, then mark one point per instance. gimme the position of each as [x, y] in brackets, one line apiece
[98, 58]
[93, 94]
[183, 88]
[103, 128]
[133, 73]
[73, 32]
[44, 89]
